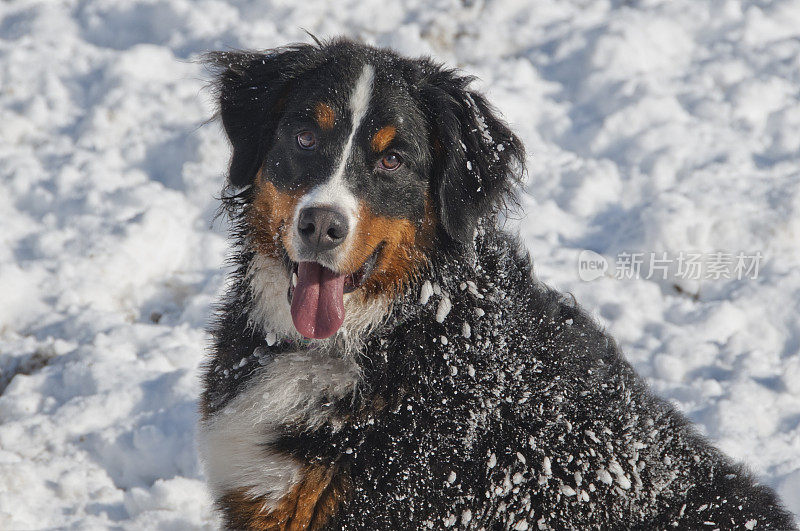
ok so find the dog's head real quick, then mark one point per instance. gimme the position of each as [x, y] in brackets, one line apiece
[358, 162]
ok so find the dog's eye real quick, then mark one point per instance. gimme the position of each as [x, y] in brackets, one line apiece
[306, 140]
[391, 161]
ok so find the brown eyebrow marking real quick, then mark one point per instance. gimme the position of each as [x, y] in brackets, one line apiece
[324, 115]
[382, 138]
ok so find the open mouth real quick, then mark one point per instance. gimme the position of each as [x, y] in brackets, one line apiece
[316, 295]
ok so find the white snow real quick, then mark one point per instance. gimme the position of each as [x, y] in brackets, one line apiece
[653, 126]
[546, 466]
[604, 476]
[443, 309]
[622, 479]
[425, 292]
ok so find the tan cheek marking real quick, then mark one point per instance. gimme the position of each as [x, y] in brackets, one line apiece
[270, 217]
[309, 505]
[404, 248]
[325, 115]
[382, 138]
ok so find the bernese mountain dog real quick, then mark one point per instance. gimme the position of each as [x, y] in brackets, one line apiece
[385, 359]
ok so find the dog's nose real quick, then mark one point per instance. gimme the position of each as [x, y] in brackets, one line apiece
[321, 228]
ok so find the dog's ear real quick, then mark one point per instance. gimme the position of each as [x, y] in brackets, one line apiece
[252, 89]
[477, 159]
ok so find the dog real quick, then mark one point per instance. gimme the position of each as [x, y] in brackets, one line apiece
[383, 357]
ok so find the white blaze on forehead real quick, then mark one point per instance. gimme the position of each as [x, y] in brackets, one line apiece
[359, 103]
[335, 192]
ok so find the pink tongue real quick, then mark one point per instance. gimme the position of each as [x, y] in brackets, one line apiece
[317, 303]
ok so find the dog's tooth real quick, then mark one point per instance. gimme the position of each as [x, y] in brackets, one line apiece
[294, 280]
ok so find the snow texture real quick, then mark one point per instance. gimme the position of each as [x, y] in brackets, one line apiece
[657, 126]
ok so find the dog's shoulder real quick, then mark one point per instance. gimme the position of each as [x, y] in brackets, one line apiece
[506, 402]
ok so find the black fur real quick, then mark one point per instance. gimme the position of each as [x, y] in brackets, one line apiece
[251, 87]
[480, 158]
[516, 411]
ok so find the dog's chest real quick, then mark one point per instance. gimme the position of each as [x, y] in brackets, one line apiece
[294, 390]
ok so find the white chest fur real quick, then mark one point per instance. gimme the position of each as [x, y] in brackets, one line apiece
[296, 388]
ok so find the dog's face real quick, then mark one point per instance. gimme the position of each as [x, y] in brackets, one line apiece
[358, 161]
[343, 187]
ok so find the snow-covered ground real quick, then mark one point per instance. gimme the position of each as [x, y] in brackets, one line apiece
[667, 126]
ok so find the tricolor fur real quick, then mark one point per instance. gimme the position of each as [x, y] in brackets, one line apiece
[384, 358]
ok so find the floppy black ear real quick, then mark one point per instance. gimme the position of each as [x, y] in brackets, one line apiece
[252, 87]
[477, 159]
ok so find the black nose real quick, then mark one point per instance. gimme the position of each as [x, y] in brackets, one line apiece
[322, 228]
